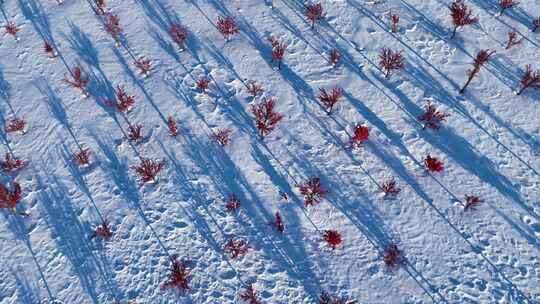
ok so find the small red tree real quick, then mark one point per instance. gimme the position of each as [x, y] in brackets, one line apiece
[12, 29]
[100, 7]
[227, 27]
[432, 118]
[529, 79]
[202, 84]
[461, 15]
[49, 49]
[10, 199]
[471, 202]
[144, 65]
[11, 164]
[172, 126]
[394, 20]
[535, 24]
[254, 89]
[123, 101]
[112, 26]
[179, 35]
[334, 57]
[278, 50]
[16, 125]
[330, 99]
[233, 203]
[481, 58]
[179, 276]
[312, 191]
[433, 164]
[391, 61]
[390, 188]
[149, 169]
[326, 298]
[278, 222]
[222, 136]
[135, 133]
[82, 157]
[249, 295]
[236, 247]
[103, 230]
[361, 134]
[512, 40]
[315, 13]
[266, 118]
[393, 256]
[506, 4]
[79, 81]
[332, 238]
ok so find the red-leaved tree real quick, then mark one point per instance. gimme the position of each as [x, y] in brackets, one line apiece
[433, 164]
[144, 65]
[149, 169]
[236, 247]
[361, 134]
[254, 89]
[82, 157]
[432, 118]
[11, 164]
[203, 83]
[172, 125]
[179, 277]
[512, 40]
[266, 117]
[123, 101]
[315, 13]
[10, 199]
[179, 35]
[530, 79]
[233, 203]
[249, 295]
[312, 191]
[49, 49]
[329, 99]
[334, 57]
[481, 58]
[79, 81]
[227, 27]
[461, 15]
[391, 61]
[394, 21]
[16, 125]
[506, 4]
[471, 202]
[12, 29]
[222, 136]
[390, 188]
[326, 298]
[101, 7]
[103, 231]
[332, 238]
[393, 256]
[112, 26]
[135, 133]
[278, 50]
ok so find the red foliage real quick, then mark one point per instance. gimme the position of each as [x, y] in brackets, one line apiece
[48, 48]
[10, 199]
[179, 277]
[394, 20]
[222, 136]
[461, 15]
[144, 65]
[79, 80]
[10, 164]
[135, 133]
[82, 158]
[278, 50]
[391, 61]
[390, 187]
[202, 84]
[432, 117]
[332, 238]
[173, 126]
[529, 79]
[535, 24]
[278, 222]
[512, 40]
[334, 57]
[361, 134]
[393, 256]
[112, 26]
[149, 169]
[227, 27]
[433, 164]
[236, 247]
[179, 34]
[103, 230]
[326, 298]
[266, 118]
[12, 29]
[123, 102]
[506, 4]
[100, 7]
[233, 203]
[314, 13]
[254, 89]
[249, 295]
[16, 125]
[312, 191]
[481, 58]
[471, 202]
[329, 100]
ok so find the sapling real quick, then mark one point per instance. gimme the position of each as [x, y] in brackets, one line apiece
[222, 136]
[506, 4]
[432, 118]
[249, 295]
[433, 164]
[393, 256]
[227, 27]
[10, 199]
[461, 16]
[361, 135]
[391, 61]
[312, 191]
[513, 40]
[315, 13]
[149, 169]
[278, 222]
[49, 49]
[11, 164]
[112, 26]
[236, 247]
[278, 50]
[326, 298]
[144, 65]
[530, 79]
[390, 188]
[266, 118]
[334, 57]
[471, 202]
[172, 125]
[332, 238]
[79, 81]
[254, 89]
[12, 29]
[16, 125]
[329, 99]
[202, 84]
[103, 231]
[135, 133]
[179, 35]
[179, 277]
[82, 157]
[123, 102]
[233, 203]
[394, 20]
[100, 7]
[481, 58]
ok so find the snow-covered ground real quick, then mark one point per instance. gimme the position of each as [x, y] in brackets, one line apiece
[490, 146]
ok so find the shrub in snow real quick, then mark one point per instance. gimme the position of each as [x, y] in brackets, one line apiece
[11, 164]
[222, 136]
[172, 125]
[361, 134]
[103, 231]
[326, 298]
[332, 238]
[79, 81]
[144, 65]
[12, 29]
[471, 202]
[202, 84]
[179, 35]
[481, 58]
[233, 203]
[135, 133]
[433, 164]
[227, 27]
[506, 4]
[461, 15]
[254, 89]
[393, 256]
[236, 247]
[123, 102]
[82, 157]
[315, 13]
[278, 222]
[278, 50]
[334, 57]
[266, 118]
[530, 79]
[49, 49]
[329, 99]
[148, 169]
[100, 7]
[312, 191]
[432, 118]
[249, 295]
[179, 277]
[10, 199]
[16, 125]
[394, 21]
[391, 61]
[390, 188]
[512, 40]
[112, 26]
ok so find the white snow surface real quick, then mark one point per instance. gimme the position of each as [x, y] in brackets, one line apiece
[490, 146]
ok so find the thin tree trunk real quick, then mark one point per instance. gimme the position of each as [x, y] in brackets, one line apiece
[454, 32]
[466, 85]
